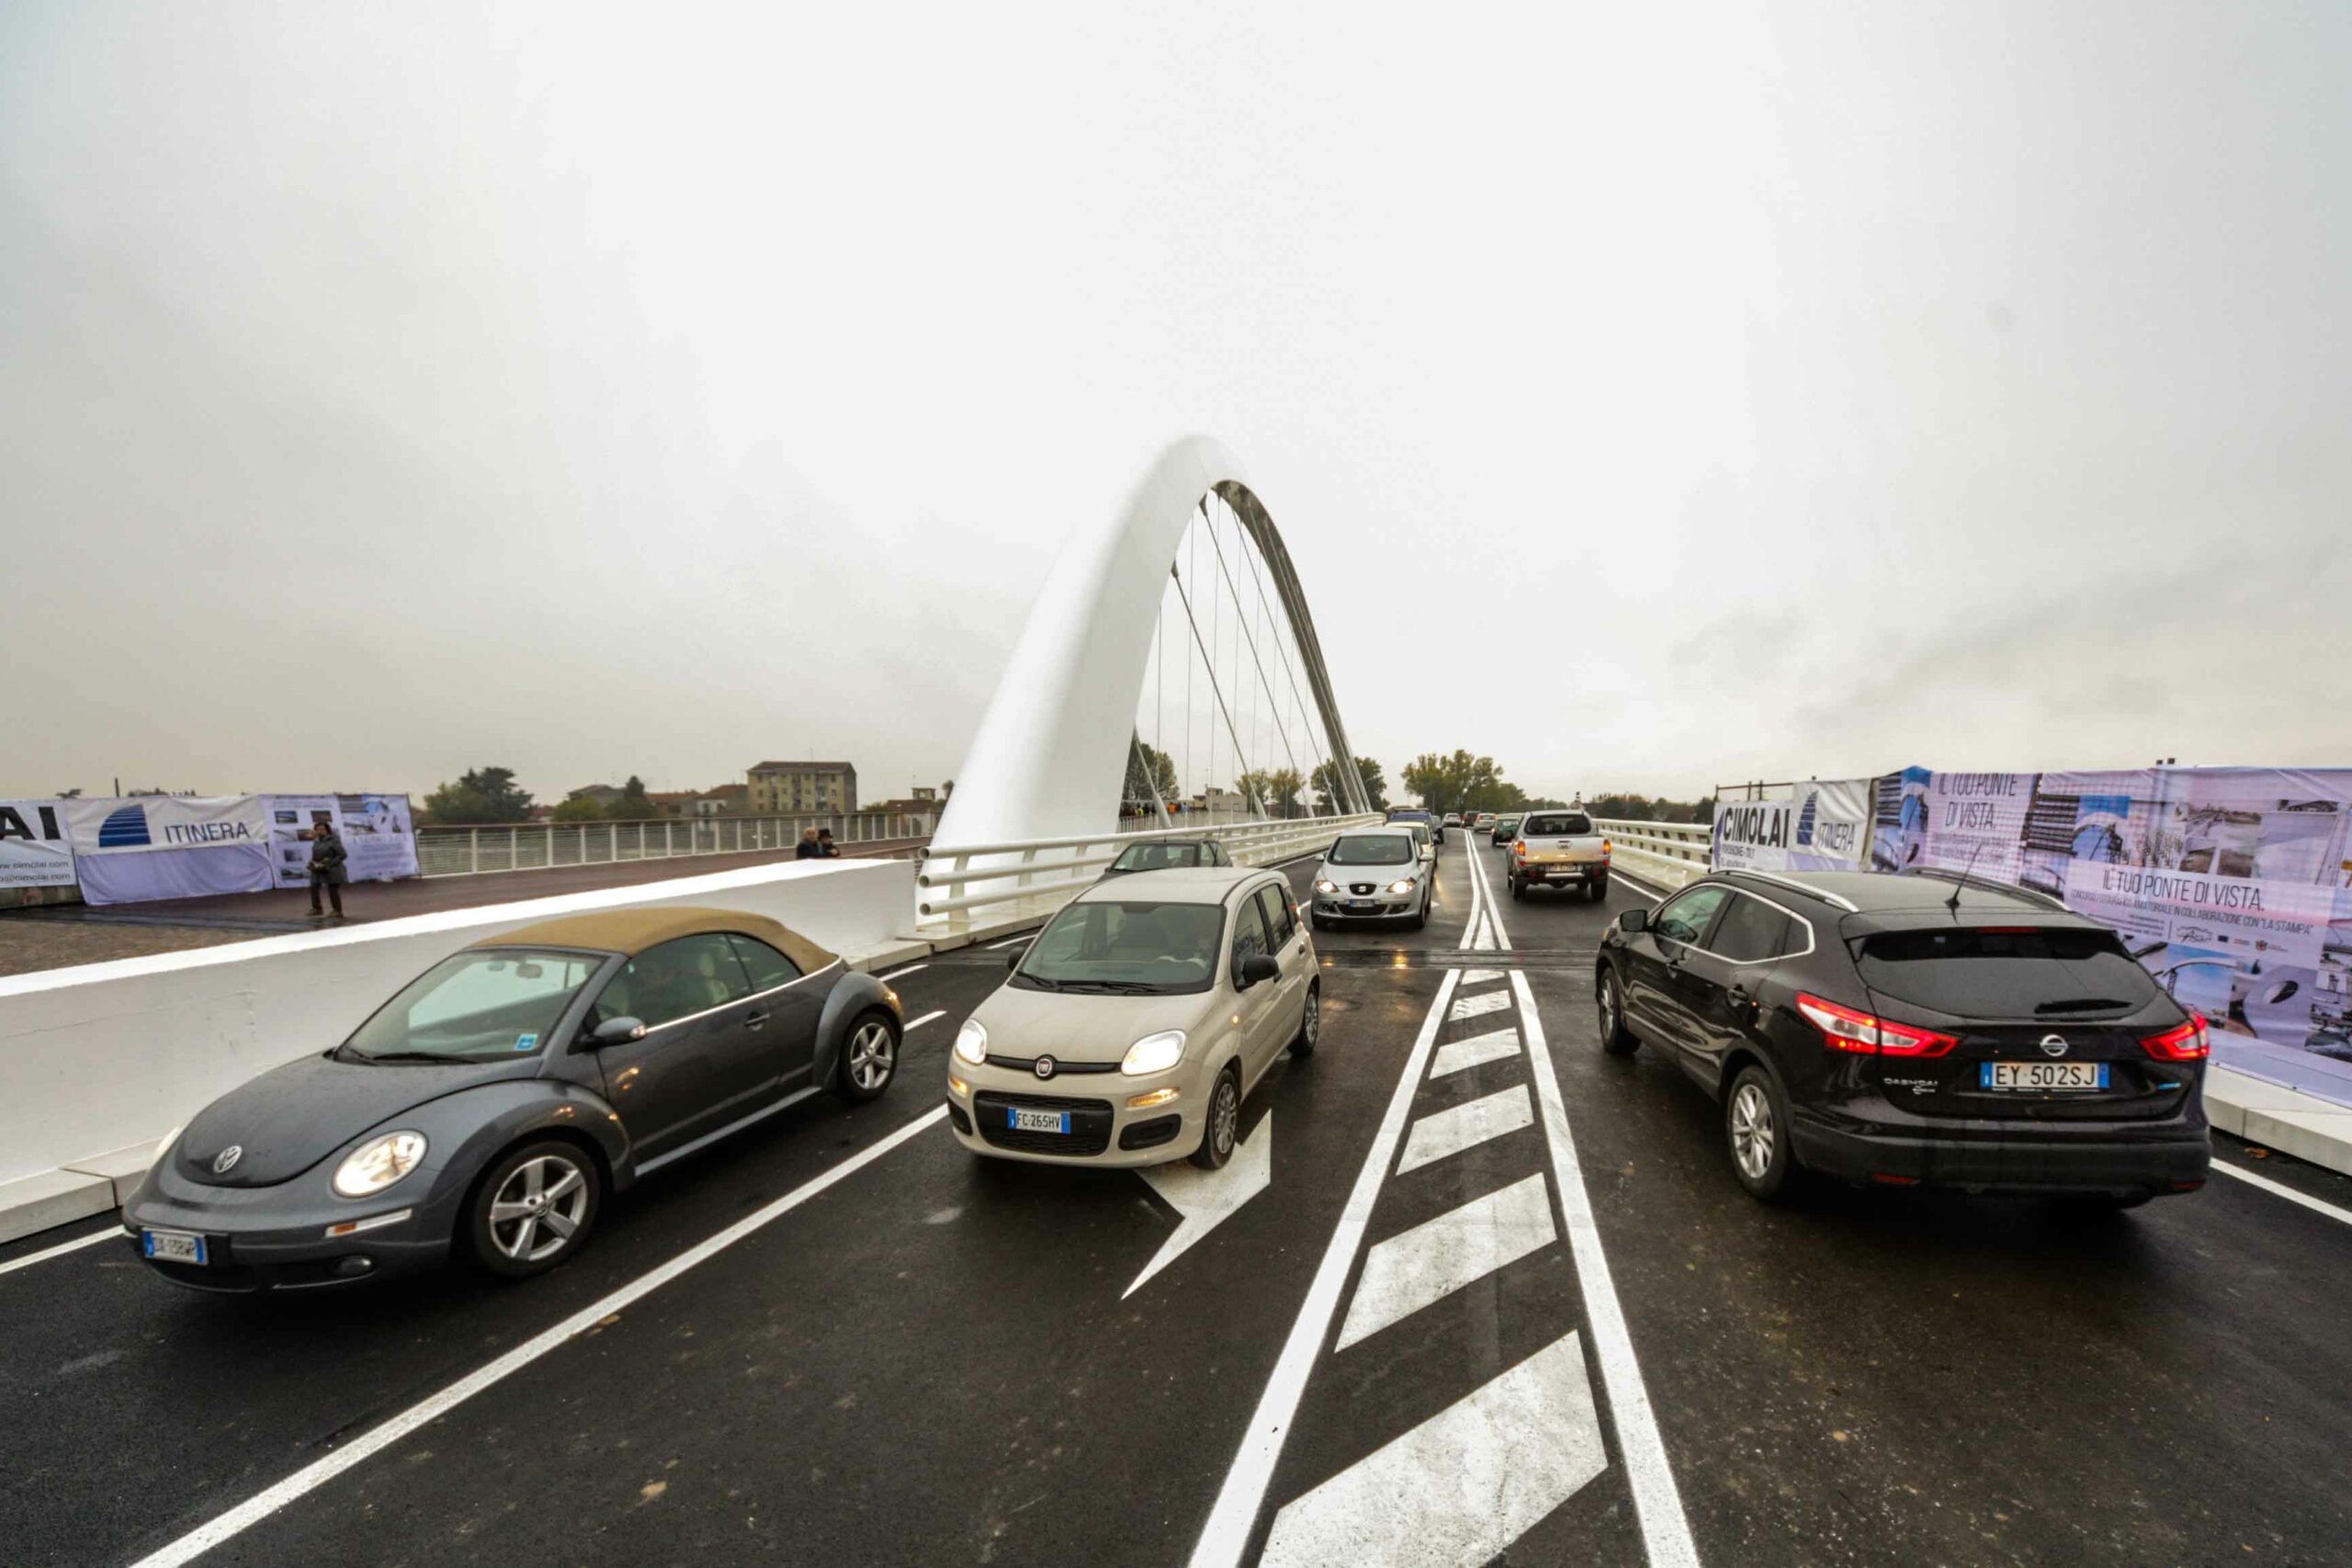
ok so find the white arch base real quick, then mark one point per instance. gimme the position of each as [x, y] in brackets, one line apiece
[1051, 751]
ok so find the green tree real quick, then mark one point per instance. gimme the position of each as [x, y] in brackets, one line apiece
[1328, 798]
[1147, 765]
[481, 795]
[1459, 782]
[579, 808]
[633, 806]
[1275, 790]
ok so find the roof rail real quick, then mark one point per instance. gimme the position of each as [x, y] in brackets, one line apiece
[1989, 885]
[1804, 887]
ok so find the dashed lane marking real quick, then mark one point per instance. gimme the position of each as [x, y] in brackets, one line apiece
[1448, 1491]
[901, 974]
[59, 1251]
[1444, 1134]
[1474, 1051]
[2251, 1180]
[1438, 1256]
[926, 1018]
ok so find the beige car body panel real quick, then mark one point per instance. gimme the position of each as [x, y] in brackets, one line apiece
[1221, 1025]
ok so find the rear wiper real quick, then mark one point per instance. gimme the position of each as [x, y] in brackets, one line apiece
[2080, 1004]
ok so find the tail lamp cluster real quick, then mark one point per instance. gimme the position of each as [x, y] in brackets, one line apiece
[1844, 1029]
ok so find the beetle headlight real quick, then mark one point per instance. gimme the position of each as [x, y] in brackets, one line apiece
[1154, 1052]
[165, 1146]
[1402, 885]
[972, 1041]
[1327, 885]
[378, 1162]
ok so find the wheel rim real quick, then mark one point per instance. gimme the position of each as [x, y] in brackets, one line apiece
[538, 1209]
[871, 1055]
[1608, 1009]
[1313, 1023]
[1227, 1116]
[1751, 1130]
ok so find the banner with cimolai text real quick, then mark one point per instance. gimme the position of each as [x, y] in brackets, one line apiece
[34, 850]
[1821, 827]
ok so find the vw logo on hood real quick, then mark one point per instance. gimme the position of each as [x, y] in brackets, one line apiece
[226, 1160]
[2053, 1045]
[1044, 1067]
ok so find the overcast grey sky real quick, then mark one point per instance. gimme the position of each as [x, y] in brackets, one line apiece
[388, 390]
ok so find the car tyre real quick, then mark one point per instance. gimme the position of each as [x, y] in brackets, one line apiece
[1519, 890]
[1310, 1024]
[516, 1219]
[1598, 888]
[869, 1060]
[1755, 1134]
[1222, 1131]
[1615, 1037]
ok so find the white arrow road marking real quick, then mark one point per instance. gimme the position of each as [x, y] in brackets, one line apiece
[1464, 1484]
[1475, 1007]
[1466, 1127]
[1480, 977]
[1438, 1256]
[1207, 1199]
[1478, 1048]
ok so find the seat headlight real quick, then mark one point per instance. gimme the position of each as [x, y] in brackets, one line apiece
[1154, 1052]
[972, 1041]
[378, 1162]
[1402, 885]
[1325, 884]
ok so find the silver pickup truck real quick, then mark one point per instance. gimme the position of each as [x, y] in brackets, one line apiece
[1559, 848]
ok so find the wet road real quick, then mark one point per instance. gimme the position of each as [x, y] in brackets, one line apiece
[1499, 1296]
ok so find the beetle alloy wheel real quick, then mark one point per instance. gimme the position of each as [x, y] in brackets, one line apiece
[1751, 1130]
[539, 1208]
[873, 1055]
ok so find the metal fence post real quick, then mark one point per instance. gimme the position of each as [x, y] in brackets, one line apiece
[473, 848]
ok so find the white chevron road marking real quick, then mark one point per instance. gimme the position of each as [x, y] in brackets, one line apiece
[1464, 1484]
[1207, 1199]
[1480, 977]
[1438, 1256]
[1478, 1007]
[1478, 1048]
[1445, 1133]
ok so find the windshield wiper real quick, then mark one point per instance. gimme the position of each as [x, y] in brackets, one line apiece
[1117, 987]
[1039, 981]
[407, 1056]
[2080, 1004]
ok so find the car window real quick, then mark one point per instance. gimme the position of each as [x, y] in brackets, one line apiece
[1684, 916]
[1138, 944]
[767, 967]
[478, 1004]
[1159, 857]
[1250, 932]
[1281, 915]
[2054, 974]
[688, 975]
[1751, 930]
[1556, 825]
[1373, 848]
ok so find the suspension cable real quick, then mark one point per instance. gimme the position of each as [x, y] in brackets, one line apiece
[1219, 691]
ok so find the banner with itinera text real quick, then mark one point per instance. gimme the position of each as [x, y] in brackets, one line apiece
[1821, 827]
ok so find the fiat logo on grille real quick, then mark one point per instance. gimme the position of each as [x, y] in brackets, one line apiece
[226, 1160]
[1045, 1067]
[2053, 1045]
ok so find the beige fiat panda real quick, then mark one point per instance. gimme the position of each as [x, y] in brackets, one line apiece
[1129, 1030]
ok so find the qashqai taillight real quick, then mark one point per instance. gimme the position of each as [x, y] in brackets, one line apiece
[1844, 1029]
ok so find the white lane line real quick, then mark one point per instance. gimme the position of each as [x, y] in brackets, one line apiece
[1473, 1051]
[1480, 977]
[1008, 942]
[2251, 1180]
[1470, 926]
[925, 1018]
[59, 1251]
[1500, 937]
[1464, 1484]
[1666, 1532]
[1443, 1134]
[1227, 1535]
[317, 1473]
[1641, 889]
[907, 970]
[1438, 1256]
[1478, 1007]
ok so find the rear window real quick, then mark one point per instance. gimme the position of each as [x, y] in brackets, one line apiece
[2007, 973]
[1556, 825]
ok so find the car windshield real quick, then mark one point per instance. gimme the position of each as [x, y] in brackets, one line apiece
[1160, 857]
[1125, 945]
[1556, 825]
[1373, 849]
[2006, 973]
[484, 1004]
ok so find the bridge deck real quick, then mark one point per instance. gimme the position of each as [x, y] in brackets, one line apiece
[932, 1361]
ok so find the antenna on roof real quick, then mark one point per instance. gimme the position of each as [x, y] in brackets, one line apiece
[1952, 903]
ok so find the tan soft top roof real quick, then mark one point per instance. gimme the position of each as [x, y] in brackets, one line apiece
[633, 931]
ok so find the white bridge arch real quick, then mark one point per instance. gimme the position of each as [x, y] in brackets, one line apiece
[1047, 761]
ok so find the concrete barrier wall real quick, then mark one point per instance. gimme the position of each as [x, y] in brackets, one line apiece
[105, 1055]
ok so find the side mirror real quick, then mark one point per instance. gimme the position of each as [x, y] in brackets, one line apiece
[1633, 922]
[617, 1032]
[1255, 969]
[1012, 960]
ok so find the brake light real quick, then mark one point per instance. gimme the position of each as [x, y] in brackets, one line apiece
[2190, 1042]
[1519, 849]
[1846, 1030]
[1604, 849]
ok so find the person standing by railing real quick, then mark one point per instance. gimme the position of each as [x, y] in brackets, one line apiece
[328, 860]
[825, 845]
[807, 847]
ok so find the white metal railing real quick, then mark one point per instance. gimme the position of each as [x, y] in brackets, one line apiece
[539, 846]
[1037, 876]
[1668, 854]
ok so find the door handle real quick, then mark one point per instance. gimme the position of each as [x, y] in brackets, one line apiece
[1739, 998]
[755, 1019]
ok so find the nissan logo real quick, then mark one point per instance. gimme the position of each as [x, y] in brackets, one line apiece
[2053, 1045]
[1045, 1067]
[226, 1160]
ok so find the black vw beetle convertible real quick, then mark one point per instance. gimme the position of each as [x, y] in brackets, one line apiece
[491, 1105]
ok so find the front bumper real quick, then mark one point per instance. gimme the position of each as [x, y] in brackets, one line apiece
[275, 1238]
[2000, 1156]
[1104, 1130]
[1380, 906]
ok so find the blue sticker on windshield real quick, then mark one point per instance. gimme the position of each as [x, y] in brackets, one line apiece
[527, 1043]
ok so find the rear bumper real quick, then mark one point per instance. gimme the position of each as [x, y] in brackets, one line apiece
[2171, 1157]
[1539, 872]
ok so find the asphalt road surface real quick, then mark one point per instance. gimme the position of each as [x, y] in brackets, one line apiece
[1478, 1292]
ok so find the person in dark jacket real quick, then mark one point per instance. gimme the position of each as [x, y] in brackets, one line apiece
[327, 862]
[809, 848]
[830, 849]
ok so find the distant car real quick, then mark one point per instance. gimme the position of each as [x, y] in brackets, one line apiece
[1483, 823]
[1427, 819]
[1502, 830]
[1914, 1030]
[1425, 841]
[490, 1107]
[1559, 848]
[1373, 874]
[1168, 854]
[1453, 820]
[1129, 1031]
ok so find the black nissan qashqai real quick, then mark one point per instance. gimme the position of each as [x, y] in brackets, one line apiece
[1930, 1029]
